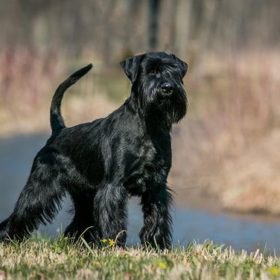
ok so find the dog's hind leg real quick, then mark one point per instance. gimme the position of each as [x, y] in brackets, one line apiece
[39, 199]
[156, 230]
[110, 208]
[83, 223]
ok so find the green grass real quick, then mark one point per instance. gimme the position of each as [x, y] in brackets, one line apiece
[60, 259]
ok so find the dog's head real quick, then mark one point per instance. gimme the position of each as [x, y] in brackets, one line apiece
[157, 86]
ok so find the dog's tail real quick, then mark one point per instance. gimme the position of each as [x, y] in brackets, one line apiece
[56, 119]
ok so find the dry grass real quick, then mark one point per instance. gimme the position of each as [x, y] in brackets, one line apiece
[43, 259]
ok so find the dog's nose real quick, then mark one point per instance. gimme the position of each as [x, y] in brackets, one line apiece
[167, 87]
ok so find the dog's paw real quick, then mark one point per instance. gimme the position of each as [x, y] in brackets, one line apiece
[4, 236]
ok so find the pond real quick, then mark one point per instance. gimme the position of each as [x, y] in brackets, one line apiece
[238, 231]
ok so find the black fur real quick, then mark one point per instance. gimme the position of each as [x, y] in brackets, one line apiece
[101, 163]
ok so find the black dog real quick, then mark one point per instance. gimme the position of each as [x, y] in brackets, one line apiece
[102, 162]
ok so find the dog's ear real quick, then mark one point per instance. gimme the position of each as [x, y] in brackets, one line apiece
[183, 66]
[130, 67]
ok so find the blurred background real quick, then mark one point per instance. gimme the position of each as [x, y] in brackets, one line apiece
[226, 151]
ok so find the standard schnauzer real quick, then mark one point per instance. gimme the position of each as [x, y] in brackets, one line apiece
[101, 163]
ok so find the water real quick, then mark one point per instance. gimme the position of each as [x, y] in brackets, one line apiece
[240, 232]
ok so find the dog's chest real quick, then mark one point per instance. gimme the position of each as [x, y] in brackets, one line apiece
[148, 167]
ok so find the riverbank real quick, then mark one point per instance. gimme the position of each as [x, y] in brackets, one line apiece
[59, 259]
[247, 182]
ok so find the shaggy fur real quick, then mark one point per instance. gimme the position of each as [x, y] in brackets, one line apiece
[101, 163]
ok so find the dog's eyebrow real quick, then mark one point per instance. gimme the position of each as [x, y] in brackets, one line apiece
[157, 63]
[151, 63]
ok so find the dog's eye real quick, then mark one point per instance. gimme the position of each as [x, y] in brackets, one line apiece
[153, 72]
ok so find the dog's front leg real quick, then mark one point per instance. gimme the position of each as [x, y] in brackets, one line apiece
[110, 208]
[157, 219]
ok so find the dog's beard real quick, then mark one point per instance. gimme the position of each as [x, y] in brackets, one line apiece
[163, 111]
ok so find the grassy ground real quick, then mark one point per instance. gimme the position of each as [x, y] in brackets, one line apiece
[59, 259]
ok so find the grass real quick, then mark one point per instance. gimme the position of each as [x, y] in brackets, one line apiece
[60, 259]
